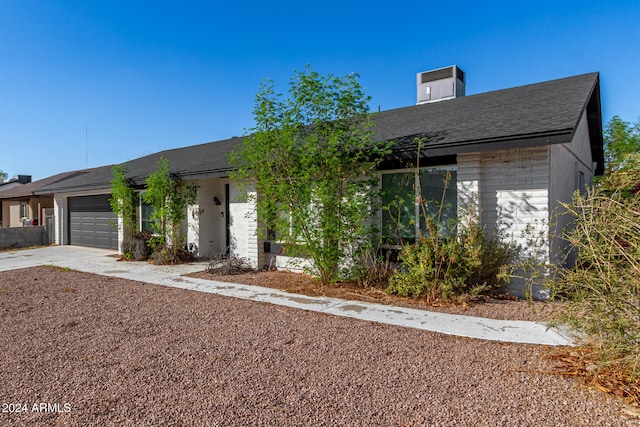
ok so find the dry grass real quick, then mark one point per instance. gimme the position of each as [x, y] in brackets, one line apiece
[584, 364]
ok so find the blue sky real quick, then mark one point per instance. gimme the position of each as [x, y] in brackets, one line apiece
[91, 83]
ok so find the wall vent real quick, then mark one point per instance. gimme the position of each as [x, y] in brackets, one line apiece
[437, 85]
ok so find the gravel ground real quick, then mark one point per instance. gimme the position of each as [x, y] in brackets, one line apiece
[102, 351]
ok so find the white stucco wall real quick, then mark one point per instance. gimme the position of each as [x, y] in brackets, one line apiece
[468, 177]
[512, 189]
[59, 223]
[208, 230]
[243, 228]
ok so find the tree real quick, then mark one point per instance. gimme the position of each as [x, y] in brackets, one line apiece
[620, 139]
[169, 197]
[310, 162]
[124, 199]
[3, 176]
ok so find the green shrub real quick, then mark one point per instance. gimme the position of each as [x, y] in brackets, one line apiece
[463, 266]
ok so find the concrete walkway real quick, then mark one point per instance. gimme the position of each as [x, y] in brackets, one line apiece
[104, 262]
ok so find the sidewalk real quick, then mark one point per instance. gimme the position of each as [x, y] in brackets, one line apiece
[105, 262]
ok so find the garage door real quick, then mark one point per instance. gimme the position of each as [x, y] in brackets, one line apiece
[92, 223]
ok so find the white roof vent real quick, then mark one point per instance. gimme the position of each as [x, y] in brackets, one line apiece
[437, 85]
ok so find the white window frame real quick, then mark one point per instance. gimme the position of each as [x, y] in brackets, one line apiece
[24, 210]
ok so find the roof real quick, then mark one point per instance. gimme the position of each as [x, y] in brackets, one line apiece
[196, 161]
[536, 114]
[29, 189]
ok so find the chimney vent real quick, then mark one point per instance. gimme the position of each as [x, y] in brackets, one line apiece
[437, 85]
[23, 179]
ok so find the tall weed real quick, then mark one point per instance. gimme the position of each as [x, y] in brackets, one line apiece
[604, 285]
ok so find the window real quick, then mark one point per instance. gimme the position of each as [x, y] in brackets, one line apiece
[581, 183]
[285, 219]
[409, 200]
[145, 216]
[24, 210]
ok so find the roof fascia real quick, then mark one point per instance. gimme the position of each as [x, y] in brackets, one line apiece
[560, 137]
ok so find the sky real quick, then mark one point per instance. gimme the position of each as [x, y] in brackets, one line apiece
[92, 83]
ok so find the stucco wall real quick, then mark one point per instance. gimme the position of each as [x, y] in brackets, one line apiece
[15, 219]
[512, 189]
[20, 237]
[468, 177]
[208, 229]
[11, 210]
[5, 213]
[59, 208]
[571, 168]
[244, 226]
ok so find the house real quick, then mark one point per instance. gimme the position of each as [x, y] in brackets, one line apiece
[16, 181]
[21, 206]
[518, 152]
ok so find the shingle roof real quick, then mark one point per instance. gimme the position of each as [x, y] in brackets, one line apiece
[542, 113]
[536, 114]
[29, 189]
[196, 161]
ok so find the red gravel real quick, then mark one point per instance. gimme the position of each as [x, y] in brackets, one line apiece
[118, 352]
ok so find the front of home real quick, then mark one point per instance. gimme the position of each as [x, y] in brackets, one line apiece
[517, 153]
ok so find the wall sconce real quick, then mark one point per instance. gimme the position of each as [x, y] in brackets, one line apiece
[216, 201]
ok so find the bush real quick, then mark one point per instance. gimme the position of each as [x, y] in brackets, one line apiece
[463, 266]
[374, 269]
[137, 246]
[163, 255]
[604, 285]
[229, 265]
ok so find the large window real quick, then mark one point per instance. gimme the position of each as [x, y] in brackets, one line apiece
[410, 201]
[145, 216]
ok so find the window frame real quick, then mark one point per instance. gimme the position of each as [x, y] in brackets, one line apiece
[24, 210]
[140, 219]
[417, 195]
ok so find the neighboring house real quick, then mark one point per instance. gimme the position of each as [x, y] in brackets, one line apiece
[518, 152]
[16, 181]
[21, 206]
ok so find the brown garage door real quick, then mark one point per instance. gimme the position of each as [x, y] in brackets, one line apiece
[92, 223]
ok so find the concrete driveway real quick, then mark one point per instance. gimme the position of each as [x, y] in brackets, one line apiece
[105, 262]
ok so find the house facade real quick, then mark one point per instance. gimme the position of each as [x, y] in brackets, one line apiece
[20, 204]
[518, 153]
